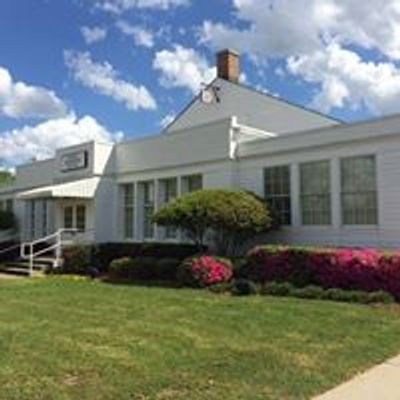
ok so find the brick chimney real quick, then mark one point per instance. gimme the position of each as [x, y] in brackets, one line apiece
[228, 65]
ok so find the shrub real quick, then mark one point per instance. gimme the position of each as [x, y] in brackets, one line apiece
[232, 216]
[204, 271]
[121, 268]
[225, 287]
[380, 297]
[105, 253]
[7, 220]
[77, 260]
[277, 289]
[334, 294]
[244, 287]
[143, 269]
[167, 268]
[308, 292]
[350, 296]
[350, 269]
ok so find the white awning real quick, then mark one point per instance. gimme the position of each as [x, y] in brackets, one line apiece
[82, 189]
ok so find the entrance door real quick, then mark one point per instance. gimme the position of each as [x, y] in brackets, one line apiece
[75, 217]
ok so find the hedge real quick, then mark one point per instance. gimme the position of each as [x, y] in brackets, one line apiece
[143, 269]
[81, 258]
[350, 269]
[104, 254]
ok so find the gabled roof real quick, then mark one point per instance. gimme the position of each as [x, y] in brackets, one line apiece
[252, 107]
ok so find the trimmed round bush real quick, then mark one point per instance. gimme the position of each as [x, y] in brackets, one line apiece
[232, 216]
[380, 297]
[277, 289]
[221, 288]
[121, 268]
[77, 260]
[244, 287]
[308, 292]
[204, 271]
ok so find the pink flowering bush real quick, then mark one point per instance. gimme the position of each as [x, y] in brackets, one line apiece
[353, 269]
[204, 271]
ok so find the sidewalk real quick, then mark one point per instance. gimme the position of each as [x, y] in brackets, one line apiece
[379, 383]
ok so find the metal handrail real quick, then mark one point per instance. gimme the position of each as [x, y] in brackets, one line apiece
[13, 247]
[57, 247]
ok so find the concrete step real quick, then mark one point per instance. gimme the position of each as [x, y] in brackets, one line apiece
[19, 271]
[25, 265]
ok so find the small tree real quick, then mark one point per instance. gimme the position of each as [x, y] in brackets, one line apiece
[6, 177]
[231, 216]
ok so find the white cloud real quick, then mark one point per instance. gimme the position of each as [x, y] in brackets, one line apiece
[40, 141]
[102, 78]
[20, 100]
[167, 120]
[140, 35]
[315, 36]
[118, 6]
[93, 35]
[183, 68]
[346, 80]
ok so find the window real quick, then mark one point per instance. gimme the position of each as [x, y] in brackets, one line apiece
[81, 217]
[191, 183]
[359, 192]
[33, 218]
[44, 218]
[315, 191]
[148, 208]
[129, 210]
[277, 192]
[68, 217]
[170, 192]
[9, 205]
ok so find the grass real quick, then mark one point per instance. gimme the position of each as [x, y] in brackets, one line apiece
[66, 339]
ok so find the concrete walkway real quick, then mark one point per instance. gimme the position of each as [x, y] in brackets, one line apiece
[8, 276]
[379, 383]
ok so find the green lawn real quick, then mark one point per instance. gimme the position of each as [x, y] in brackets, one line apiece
[66, 339]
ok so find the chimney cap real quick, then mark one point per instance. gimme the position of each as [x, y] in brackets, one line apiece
[230, 51]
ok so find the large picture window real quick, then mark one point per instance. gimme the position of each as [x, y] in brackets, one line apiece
[148, 209]
[128, 194]
[277, 192]
[359, 191]
[315, 192]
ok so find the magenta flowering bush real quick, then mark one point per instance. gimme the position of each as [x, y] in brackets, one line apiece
[205, 271]
[354, 269]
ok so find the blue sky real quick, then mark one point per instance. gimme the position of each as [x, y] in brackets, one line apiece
[77, 69]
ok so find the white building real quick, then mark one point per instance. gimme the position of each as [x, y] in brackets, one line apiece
[332, 183]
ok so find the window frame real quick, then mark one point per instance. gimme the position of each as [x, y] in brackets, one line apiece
[188, 182]
[374, 193]
[128, 210]
[148, 227]
[284, 196]
[71, 209]
[171, 233]
[80, 228]
[305, 197]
